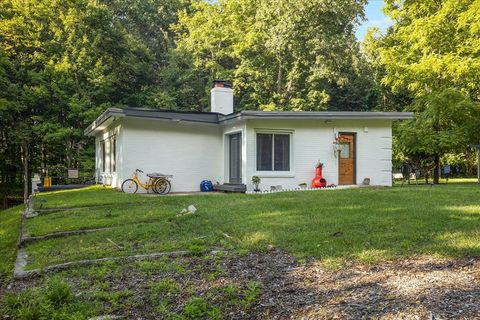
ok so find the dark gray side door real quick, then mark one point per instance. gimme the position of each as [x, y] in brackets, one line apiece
[235, 157]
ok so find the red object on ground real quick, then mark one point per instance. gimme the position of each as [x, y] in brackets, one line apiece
[319, 181]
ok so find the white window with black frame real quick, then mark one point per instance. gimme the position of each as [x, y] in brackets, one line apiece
[273, 152]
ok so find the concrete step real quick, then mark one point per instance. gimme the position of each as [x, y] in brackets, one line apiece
[231, 187]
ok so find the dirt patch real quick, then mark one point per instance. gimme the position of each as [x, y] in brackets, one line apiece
[410, 289]
[417, 288]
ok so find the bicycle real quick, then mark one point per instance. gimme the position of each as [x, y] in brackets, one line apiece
[159, 183]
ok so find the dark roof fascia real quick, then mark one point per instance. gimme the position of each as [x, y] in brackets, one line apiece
[107, 114]
[323, 115]
[204, 117]
[217, 118]
[143, 113]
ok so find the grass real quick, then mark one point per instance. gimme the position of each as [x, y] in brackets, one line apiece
[9, 228]
[334, 226]
[88, 197]
[54, 300]
[364, 224]
[164, 288]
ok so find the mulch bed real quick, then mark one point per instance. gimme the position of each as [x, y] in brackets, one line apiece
[415, 288]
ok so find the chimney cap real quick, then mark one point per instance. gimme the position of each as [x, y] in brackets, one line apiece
[221, 84]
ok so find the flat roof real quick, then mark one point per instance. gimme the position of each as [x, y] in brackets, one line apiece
[216, 118]
[371, 115]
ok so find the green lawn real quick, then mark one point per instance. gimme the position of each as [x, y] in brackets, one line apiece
[9, 229]
[363, 224]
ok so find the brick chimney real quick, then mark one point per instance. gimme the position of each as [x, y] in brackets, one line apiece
[221, 97]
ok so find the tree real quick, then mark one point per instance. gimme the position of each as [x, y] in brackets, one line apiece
[432, 45]
[445, 122]
[429, 62]
[63, 62]
[293, 55]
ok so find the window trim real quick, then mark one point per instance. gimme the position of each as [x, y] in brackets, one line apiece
[273, 173]
[111, 142]
[103, 155]
[113, 154]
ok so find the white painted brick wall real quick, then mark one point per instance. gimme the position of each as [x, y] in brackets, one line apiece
[190, 152]
[313, 141]
[195, 152]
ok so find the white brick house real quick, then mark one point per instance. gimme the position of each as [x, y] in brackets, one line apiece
[282, 148]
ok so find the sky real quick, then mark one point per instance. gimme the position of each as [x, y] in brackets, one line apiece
[375, 18]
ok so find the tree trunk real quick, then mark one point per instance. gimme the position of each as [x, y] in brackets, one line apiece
[279, 78]
[436, 170]
[26, 176]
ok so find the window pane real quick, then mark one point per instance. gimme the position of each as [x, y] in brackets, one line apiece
[114, 155]
[281, 152]
[264, 152]
[104, 156]
[345, 151]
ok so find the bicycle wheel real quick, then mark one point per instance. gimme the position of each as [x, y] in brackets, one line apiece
[163, 186]
[129, 186]
[154, 186]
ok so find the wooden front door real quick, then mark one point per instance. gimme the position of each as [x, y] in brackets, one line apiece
[235, 156]
[346, 159]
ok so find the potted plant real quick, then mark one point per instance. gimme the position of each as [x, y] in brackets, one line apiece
[256, 182]
[338, 142]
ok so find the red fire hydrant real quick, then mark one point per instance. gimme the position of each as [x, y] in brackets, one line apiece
[319, 181]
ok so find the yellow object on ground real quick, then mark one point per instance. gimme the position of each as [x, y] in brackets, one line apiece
[47, 182]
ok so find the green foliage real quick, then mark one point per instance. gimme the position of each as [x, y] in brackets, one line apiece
[432, 46]
[256, 180]
[445, 122]
[466, 159]
[63, 62]
[428, 62]
[299, 55]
